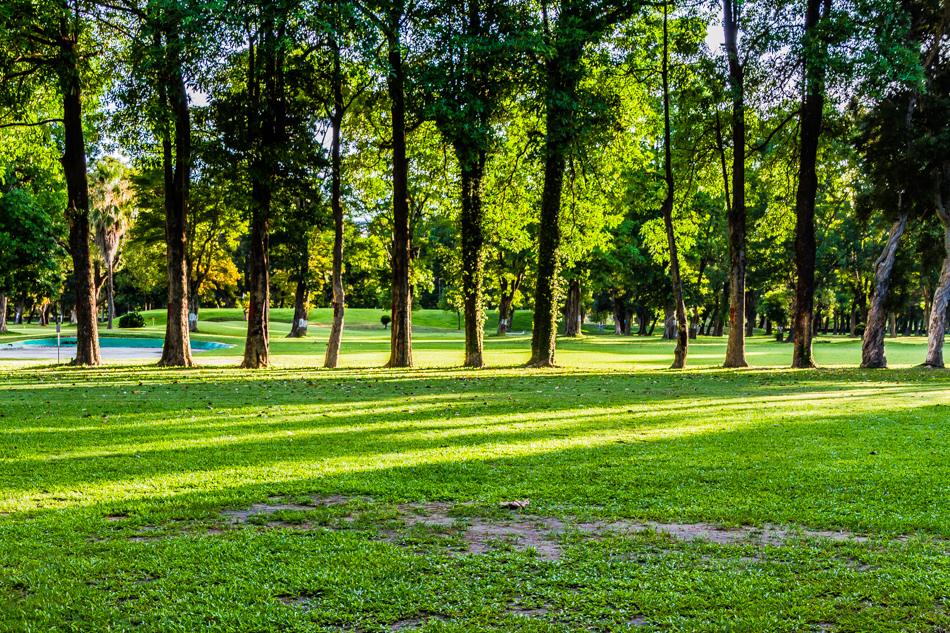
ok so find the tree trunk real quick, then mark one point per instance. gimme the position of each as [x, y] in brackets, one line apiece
[644, 317]
[627, 323]
[682, 338]
[872, 347]
[562, 80]
[77, 211]
[749, 312]
[713, 319]
[176, 351]
[891, 324]
[257, 343]
[735, 347]
[335, 341]
[572, 309]
[298, 328]
[938, 309]
[401, 331]
[503, 309]
[619, 312]
[3, 314]
[669, 322]
[810, 133]
[472, 237]
[110, 293]
[194, 312]
[264, 127]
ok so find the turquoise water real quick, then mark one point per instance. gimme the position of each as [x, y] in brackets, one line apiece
[110, 342]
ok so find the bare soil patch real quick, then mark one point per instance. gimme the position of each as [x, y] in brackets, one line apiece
[467, 528]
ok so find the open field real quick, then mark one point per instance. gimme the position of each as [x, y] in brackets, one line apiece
[366, 500]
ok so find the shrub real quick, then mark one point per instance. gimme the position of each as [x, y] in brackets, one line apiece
[386, 320]
[132, 319]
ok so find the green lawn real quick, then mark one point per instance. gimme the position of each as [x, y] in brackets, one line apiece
[821, 498]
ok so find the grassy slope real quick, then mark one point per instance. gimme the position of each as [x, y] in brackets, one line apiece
[90, 458]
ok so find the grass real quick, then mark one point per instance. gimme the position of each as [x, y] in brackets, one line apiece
[116, 486]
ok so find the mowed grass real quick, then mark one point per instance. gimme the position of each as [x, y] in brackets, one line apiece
[437, 344]
[113, 482]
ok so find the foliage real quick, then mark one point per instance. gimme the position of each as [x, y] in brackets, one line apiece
[131, 320]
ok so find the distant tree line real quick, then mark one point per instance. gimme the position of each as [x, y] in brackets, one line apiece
[698, 168]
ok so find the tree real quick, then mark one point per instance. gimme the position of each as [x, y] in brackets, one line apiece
[29, 238]
[46, 47]
[578, 25]
[469, 77]
[391, 19]
[110, 218]
[682, 337]
[896, 169]
[736, 211]
[815, 47]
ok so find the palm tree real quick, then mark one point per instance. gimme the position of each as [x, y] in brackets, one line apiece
[112, 208]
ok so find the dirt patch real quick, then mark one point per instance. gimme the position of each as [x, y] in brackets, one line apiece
[241, 516]
[298, 601]
[411, 624]
[519, 610]
[467, 528]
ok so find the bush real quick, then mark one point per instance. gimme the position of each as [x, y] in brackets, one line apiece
[385, 320]
[132, 319]
[859, 329]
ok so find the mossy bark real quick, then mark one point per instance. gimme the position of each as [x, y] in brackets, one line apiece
[562, 77]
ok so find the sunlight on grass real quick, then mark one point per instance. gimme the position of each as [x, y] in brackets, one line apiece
[115, 474]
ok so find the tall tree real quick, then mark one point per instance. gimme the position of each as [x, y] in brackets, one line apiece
[111, 215]
[470, 76]
[736, 212]
[815, 48]
[173, 101]
[895, 167]
[45, 47]
[391, 20]
[682, 327]
[332, 358]
[576, 26]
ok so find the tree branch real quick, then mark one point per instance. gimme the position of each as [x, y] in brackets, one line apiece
[22, 124]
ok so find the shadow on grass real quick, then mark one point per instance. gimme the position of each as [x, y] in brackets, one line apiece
[659, 452]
